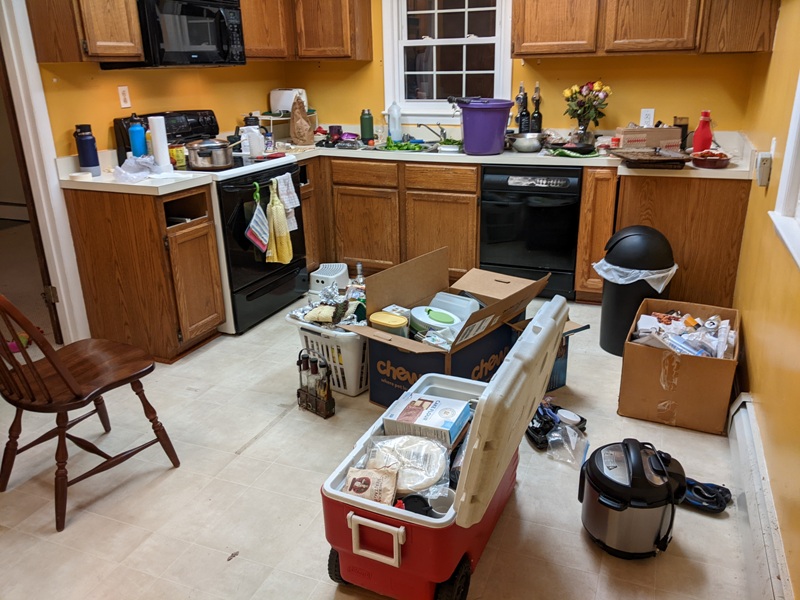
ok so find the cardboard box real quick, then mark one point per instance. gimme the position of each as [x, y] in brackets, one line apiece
[678, 389]
[395, 362]
[668, 138]
[435, 417]
[558, 376]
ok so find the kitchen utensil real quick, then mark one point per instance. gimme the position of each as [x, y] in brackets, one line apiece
[710, 160]
[209, 155]
[525, 142]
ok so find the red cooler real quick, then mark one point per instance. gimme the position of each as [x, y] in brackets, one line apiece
[409, 556]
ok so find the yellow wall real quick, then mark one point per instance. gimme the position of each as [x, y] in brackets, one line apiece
[768, 288]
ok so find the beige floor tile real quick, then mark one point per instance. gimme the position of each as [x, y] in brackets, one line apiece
[282, 584]
[155, 554]
[17, 506]
[609, 588]
[122, 583]
[162, 589]
[639, 572]
[243, 470]
[517, 576]
[684, 576]
[290, 481]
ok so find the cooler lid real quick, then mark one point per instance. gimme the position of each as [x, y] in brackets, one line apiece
[505, 408]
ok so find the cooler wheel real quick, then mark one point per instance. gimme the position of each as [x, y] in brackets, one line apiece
[334, 571]
[457, 587]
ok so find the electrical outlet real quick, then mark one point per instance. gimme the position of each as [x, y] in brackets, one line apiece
[124, 96]
[648, 117]
[763, 168]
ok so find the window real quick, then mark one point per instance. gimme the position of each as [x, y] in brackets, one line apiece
[786, 215]
[434, 49]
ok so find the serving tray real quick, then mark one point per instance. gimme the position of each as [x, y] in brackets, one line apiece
[651, 158]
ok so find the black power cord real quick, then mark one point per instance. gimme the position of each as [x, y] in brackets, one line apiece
[708, 497]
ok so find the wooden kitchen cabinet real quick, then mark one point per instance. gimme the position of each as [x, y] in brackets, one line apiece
[307, 29]
[598, 205]
[146, 281]
[703, 219]
[311, 201]
[547, 27]
[441, 209]
[85, 30]
[739, 25]
[643, 25]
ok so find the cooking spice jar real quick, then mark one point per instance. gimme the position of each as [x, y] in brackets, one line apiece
[178, 154]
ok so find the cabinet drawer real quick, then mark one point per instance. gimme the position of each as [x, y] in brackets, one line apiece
[446, 178]
[364, 172]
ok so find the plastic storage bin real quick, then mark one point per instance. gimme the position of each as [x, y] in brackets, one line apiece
[345, 352]
[409, 556]
[483, 124]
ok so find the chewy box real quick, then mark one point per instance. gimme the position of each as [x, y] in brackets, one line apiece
[678, 389]
[427, 416]
[396, 362]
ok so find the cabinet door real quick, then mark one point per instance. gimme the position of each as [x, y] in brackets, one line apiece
[111, 29]
[367, 227]
[195, 274]
[268, 29]
[643, 25]
[309, 186]
[598, 202]
[334, 29]
[553, 26]
[739, 25]
[435, 220]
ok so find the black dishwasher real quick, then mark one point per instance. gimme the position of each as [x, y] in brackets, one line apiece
[529, 223]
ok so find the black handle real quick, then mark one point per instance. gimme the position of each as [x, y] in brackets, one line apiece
[224, 34]
[464, 100]
[634, 451]
[204, 153]
[612, 504]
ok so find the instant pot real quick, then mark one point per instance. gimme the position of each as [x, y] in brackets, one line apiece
[629, 491]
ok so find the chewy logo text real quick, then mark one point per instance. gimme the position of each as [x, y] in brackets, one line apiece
[397, 373]
[486, 367]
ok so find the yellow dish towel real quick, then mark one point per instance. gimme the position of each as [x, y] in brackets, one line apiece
[280, 244]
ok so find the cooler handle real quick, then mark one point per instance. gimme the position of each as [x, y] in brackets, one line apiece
[398, 539]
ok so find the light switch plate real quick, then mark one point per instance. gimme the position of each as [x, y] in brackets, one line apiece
[648, 117]
[763, 168]
[124, 96]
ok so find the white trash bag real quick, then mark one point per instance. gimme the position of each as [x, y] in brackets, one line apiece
[658, 280]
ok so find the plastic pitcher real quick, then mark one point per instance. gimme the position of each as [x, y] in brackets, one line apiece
[483, 124]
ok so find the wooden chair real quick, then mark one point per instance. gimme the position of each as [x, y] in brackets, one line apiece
[65, 380]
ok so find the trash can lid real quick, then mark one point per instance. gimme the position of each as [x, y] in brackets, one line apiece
[639, 247]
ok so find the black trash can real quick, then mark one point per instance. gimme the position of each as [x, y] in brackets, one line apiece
[638, 247]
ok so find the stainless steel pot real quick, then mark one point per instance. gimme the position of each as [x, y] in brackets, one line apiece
[209, 155]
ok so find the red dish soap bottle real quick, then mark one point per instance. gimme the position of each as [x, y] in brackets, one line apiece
[702, 135]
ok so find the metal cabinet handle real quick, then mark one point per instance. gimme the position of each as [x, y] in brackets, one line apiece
[398, 534]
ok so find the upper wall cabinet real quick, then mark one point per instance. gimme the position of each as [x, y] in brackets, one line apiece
[613, 27]
[85, 30]
[307, 29]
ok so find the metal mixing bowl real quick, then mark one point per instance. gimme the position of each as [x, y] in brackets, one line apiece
[525, 142]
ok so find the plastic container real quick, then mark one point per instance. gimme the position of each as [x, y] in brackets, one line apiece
[395, 126]
[461, 306]
[424, 318]
[345, 352]
[483, 124]
[702, 135]
[87, 150]
[137, 137]
[390, 323]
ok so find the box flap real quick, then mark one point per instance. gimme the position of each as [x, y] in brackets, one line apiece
[410, 283]
[398, 341]
[570, 327]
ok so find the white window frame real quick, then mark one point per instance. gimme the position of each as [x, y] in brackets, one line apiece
[436, 111]
[786, 216]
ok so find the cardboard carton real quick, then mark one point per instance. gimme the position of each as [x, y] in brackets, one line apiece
[662, 386]
[435, 417]
[396, 362]
[668, 138]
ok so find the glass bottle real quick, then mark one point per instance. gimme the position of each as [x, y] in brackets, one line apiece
[536, 116]
[304, 371]
[367, 131]
[359, 280]
[702, 135]
[524, 116]
[269, 143]
[322, 382]
[313, 375]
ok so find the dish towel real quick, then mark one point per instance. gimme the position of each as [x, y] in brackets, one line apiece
[258, 229]
[289, 198]
[280, 244]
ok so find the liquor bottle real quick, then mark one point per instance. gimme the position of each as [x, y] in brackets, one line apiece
[702, 135]
[524, 116]
[359, 280]
[536, 116]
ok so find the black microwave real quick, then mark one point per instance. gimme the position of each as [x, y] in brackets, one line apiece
[185, 33]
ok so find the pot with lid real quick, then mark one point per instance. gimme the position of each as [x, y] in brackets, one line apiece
[209, 155]
[629, 491]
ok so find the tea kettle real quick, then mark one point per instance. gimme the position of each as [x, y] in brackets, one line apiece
[252, 120]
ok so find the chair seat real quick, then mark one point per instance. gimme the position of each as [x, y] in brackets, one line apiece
[97, 365]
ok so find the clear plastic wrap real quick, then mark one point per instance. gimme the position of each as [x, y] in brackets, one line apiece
[658, 279]
[423, 464]
[568, 444]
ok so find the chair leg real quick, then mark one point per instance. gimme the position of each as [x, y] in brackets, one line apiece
[62, 420]
[158, 428]
[102, 412]
[10, 453]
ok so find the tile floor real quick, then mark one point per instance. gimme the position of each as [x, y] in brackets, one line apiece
[241, 518]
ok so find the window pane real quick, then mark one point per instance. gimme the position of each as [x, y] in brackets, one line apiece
[482, 3]
[480, 57]
[481, 23]
[451, 25]
[419, 87]
[450, 58]
[480, 85]
[448, 85]
[419, 58]
[420, 4]
[451, 4]
[420, 26]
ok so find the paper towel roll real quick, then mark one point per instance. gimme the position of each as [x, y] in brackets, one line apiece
[158, 137]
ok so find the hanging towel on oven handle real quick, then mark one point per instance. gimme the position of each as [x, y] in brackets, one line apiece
[289, 198]
[258, 231]
[280, 244]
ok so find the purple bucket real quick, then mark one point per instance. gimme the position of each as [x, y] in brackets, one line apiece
[483, 125]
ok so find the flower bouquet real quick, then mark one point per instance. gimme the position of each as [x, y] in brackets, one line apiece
[586, 103]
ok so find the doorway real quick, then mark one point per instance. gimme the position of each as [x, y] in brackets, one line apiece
[25, 278]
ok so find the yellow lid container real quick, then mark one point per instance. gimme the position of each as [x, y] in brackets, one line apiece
[389, 322]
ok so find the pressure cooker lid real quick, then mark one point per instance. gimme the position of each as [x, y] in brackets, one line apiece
[630, 472]
[207, 144]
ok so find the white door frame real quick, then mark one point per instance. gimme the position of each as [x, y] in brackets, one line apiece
[40, 157]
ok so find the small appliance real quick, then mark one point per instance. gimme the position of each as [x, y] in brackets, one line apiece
[327, 274]
[281, 99]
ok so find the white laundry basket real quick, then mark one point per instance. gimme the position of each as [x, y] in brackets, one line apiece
[346, 353]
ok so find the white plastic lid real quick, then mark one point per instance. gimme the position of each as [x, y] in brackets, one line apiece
[568, 417]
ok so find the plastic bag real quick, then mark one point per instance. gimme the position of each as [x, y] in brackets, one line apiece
[568, 444]
[423, 463]
[658, 280]
[137, 168]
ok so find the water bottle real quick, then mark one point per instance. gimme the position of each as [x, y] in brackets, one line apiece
[367, 131]
[269, 143]
[137, 137]
[395, 127]
[87, 150]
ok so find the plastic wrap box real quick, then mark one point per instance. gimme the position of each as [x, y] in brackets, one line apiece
[409, 556]
[395, 362]
[678, 389]
[668, 138]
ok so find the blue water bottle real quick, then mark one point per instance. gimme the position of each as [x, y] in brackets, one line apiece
[87, 150]
[136, 134]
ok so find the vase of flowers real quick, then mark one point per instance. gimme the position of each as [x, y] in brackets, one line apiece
[585, 103]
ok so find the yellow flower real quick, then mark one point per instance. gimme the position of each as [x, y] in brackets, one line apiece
[598, 85]
[607, 90]
[567, 93]
[575, 89]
